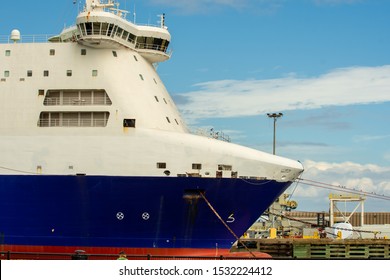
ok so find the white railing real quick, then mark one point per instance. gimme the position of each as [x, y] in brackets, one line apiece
[56, 101]
[4, 39]
[144, 46]
[211, 133]
[68, 122]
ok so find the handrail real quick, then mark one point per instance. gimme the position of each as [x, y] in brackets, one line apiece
[69, 122]
[72, 101]
[42, 38]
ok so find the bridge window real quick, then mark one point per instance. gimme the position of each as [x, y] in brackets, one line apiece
[96, 28]
[119, 32]
[82, 29]
[88, 28]
[110, 29]
[131, 38]
[104, 28]
[124, 35]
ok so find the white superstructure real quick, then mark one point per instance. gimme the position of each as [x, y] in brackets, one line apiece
[90, 102]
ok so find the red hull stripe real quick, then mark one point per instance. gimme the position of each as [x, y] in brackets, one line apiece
[60, 252]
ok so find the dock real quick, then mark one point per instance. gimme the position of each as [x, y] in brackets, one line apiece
[324, 248]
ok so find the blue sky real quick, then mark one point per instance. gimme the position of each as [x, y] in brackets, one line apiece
[324, 63]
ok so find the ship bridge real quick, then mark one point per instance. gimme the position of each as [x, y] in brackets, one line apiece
[104, 25]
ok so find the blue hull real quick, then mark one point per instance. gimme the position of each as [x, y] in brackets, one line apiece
[126, 212]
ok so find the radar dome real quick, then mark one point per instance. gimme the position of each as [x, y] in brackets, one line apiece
[15, 35]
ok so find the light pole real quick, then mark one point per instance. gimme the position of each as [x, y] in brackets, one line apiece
[275, 116]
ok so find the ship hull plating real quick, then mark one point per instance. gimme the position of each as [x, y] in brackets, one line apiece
[129, 212]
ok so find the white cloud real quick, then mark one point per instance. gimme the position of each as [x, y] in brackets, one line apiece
[368, 138]
[368, 178]
[233, 98]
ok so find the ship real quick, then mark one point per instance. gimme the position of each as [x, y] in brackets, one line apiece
[95, 155]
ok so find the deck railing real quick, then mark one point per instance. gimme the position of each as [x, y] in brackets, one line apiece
[4, 39]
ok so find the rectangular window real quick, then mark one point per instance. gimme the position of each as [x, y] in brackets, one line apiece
[131, 38]
[29, 73]
[156, 98]
[129, 123]
[7, 52]
[124, 35]
[94, 73]
[52, 52]
[82, 29]
[6, 74]
[104, 28]
[69, 73]
[83, 52]
[135, 58]
[197, 166]
[141, 77]
[88, 28]
[110, 29]
[119, 32]
[168, 120]
[161, 165]
[41, 92]
[46, 73]
[96, 28]
[114, 54]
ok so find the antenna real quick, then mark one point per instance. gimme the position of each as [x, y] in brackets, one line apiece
[162, 20]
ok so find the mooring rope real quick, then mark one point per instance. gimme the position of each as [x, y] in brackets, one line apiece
[224, 223]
